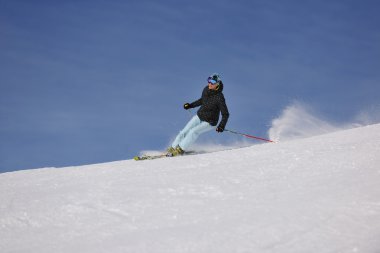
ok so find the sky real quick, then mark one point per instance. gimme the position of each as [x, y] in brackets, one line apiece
[85, 82]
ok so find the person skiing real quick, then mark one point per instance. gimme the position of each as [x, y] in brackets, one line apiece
[212, 103]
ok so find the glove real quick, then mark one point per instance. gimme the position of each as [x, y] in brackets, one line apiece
[186, 106]
[219, 129]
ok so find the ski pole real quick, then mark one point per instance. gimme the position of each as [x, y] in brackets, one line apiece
[248, 136]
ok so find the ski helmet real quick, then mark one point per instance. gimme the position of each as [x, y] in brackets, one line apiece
[214, 78]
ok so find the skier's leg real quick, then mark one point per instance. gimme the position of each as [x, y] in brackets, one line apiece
[183, 133]
[194, 133]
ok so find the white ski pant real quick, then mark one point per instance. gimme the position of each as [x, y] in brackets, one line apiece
[191, 132]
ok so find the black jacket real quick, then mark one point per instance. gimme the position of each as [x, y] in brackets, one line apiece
[212, 103]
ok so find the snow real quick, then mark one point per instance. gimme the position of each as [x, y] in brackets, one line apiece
[317, 194]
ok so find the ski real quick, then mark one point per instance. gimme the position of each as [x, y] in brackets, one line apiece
[148, 157]
[152, 157]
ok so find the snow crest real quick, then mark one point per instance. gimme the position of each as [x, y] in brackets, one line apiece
[297, 121]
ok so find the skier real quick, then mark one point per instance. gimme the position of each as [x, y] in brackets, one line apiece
[212, 103]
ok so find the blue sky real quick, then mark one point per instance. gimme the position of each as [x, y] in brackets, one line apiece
[95, 81]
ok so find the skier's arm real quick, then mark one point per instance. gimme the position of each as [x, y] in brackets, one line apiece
[225, 114]
[199, 101]
[196, 103]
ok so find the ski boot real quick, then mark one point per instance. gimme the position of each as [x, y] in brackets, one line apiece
[175, 151]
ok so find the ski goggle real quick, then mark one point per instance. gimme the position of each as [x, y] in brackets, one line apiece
[210, 80]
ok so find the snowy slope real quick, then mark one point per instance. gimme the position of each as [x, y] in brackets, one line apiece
[319, 194]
